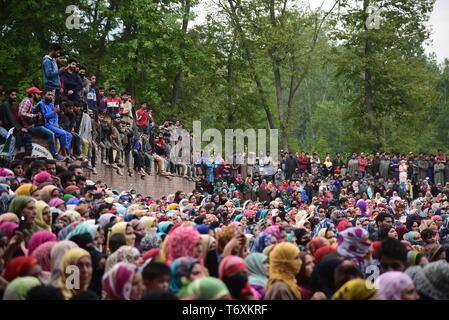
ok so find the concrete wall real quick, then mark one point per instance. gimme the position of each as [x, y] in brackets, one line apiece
[154, 185]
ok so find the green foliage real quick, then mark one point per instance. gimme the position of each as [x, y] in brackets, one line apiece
[319, 102]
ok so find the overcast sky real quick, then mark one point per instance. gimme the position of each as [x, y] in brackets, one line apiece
[439, 23]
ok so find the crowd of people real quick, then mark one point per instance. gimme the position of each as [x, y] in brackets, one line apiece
[369, 227]
[81, 120]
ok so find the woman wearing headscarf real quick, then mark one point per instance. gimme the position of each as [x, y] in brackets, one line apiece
[47, 193]
[56, 255]
[165, 226]
[233, 271]
[39, 238]
[43, 255]
[431, 281]
[284, 266]
[123, 282]
[123, 228]
[304, 276]
[357, 289]
[138, 229]
[149, 224]
[207, 288]
[257, 266]
[183, 242]
[395, 285]
[26, 189]
[44, 216]
[81, 259]
[24, 207]
[414, 238]
[124, 254]
[274, 231]
[353, 244]
[105, 219]
[19, 288]
[210, 255]
[8, 228]
[21, 267]
[262, 241]
[323, 276]
[316, 243]
[81, 228]
[184, 271]
[151, 241]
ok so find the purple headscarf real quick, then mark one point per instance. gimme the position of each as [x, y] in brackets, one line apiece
[391, 284]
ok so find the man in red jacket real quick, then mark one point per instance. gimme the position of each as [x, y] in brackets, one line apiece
[303, 162]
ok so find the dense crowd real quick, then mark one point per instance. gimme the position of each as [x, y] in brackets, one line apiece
[368, 227]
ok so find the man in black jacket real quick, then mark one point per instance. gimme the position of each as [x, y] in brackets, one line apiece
[9, 121]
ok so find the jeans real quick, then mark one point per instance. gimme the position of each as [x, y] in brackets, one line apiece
[65, 138]
[4, 134]
[41, 130]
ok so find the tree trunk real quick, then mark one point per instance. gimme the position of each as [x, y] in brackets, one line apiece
[179, 75]
[250, 61]
[369, 94]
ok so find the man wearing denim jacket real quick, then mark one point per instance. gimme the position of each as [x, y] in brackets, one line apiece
[51, 71]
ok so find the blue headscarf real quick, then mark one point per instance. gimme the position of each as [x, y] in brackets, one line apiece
[203, 228]
[262, 241]
[323, 224]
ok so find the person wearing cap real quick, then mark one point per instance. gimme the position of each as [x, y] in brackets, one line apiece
[9, 121]
[30, 114]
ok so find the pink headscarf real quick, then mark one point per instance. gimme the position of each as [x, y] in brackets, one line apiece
[435, 217]
[41, 178]
[55, 202]
[4, 172]
[8, 228]
[43, 255]
[39, 238]
[117, 282]
[274, 231]
[391, 284]
[181, 242]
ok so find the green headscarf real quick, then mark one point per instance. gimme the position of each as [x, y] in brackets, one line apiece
[263, 214]
[411, 257]
[83, 228]
[238, 217]
[18, 203]
[19, 287]
[67, 197]
[255, 263]
[207, 288]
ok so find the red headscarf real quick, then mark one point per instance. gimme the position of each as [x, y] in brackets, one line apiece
[231, 264]
[343, 225]
[376, 248]
[151, 254]
[18, 267]
[181, 242]
[316, 243]
[322, 252]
